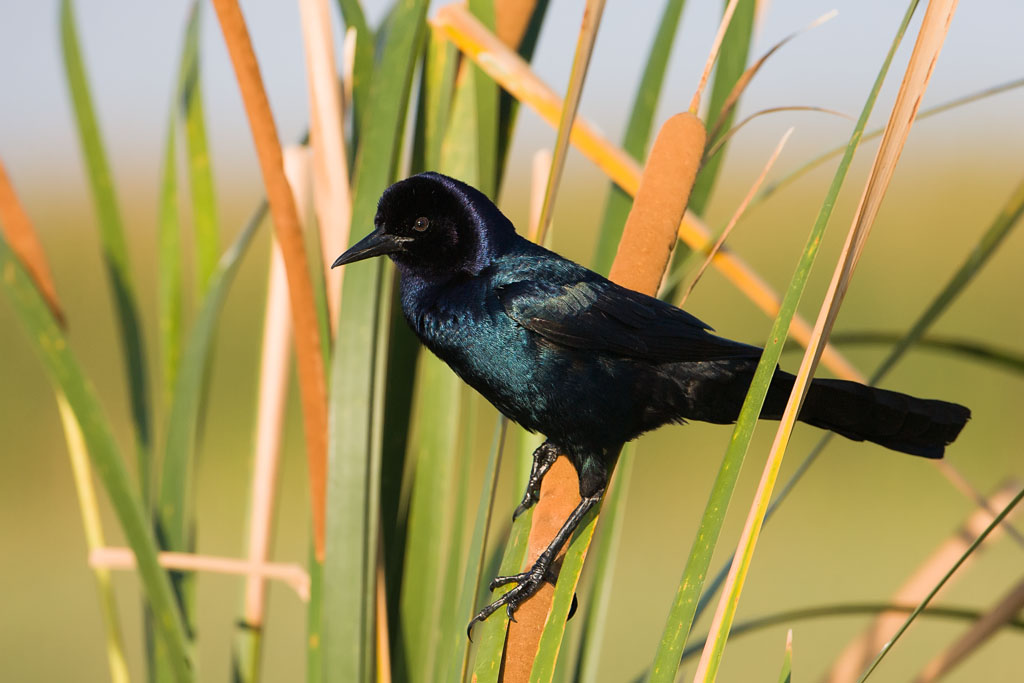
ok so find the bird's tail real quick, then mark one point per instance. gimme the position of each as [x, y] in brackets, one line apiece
[918, 426]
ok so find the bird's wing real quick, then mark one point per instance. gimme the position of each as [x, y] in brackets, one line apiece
[594, 313]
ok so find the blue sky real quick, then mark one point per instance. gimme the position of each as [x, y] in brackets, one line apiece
[132, 48]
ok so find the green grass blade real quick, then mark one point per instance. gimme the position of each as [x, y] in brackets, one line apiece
[169, 301]
[846, 609]
[490, 635]
[1006, 359]
[433, 450]
[362, 67]
[437, 79]
[568, 576]
[732, 61]
[681, 615]
[603, 561]
[638, 132]
[64, 371]
[485, 91]
[1008, 217]
[174, 505]
[93, 528]
[472, 573]
[938, 586]
[786, 675]
[314, 621]
[204, 208]
[348, 589]
[508, 106]
[115, 250]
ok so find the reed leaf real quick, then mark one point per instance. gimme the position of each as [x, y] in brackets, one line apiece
[786, 675]
[112, 240]
[348, 590]
[174, 504]
[200, 170]
[732, 62]
[938, 586]
[638, 132]
[169, 299]
[64, 371]
[681, 615]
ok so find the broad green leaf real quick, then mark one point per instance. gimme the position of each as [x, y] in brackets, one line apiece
[348, 586]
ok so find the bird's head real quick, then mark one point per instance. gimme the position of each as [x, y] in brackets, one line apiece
[434, 225]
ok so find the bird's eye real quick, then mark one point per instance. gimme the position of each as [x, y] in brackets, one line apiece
[421, 224]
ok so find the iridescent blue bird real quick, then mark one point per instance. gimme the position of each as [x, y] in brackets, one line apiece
[590, 365]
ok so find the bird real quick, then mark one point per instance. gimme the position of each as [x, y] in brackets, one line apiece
[587, 363]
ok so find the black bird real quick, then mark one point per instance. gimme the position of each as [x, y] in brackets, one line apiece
[587, 363]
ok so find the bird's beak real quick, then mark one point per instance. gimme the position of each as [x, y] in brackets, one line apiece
[377, 243]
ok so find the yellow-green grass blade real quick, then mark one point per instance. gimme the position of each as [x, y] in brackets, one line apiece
[174, 510]
[568, 576]
[638, 132]
[938, 586]
[64, 371]
[786, 675]
[683, 609]
[93, 528]
[437, 78]
[472, 573]
[847, 610]
[348, 592]
[603, 561]
[112, 239]
[362, 67]
[169, 300]
[1008, 217]
[1007, 359]
[490, 635]
[508, 106]
[204, 206]
[485, 91]
[732, 61]
[314, 621]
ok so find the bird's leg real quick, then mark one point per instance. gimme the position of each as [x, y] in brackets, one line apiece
[529, 581]
[543, 458]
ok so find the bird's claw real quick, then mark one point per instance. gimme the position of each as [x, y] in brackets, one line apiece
[527, 583]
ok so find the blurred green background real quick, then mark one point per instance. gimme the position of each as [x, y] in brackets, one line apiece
[862, 520]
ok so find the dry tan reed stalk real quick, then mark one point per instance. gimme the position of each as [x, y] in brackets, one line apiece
[862, 649]
[737, 214]
[291, 574]
[273, 393]
[331, 196]
[312, 382]
[977, 635]
[915, 81]
[538, 181]
[21, 236]
[515, 76]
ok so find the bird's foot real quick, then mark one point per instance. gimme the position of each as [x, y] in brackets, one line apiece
[543, 458]
[527, 583]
